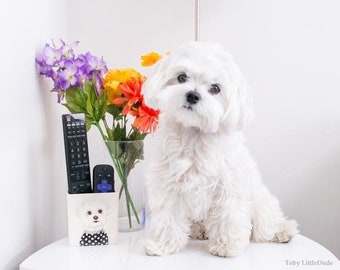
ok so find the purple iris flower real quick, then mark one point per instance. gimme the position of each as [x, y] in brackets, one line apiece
[69, 75]
[81, 62]
[95, 63]
[96, 70]
[43, 68]
[67, 50]
[60, 94]
[59, 63]
[58, 43]
[51, 56]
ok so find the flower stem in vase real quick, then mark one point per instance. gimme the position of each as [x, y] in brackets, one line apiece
[129, 202]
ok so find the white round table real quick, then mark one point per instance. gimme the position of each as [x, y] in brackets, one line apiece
[301, 253]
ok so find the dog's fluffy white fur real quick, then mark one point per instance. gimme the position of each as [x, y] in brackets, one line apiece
[201, 180]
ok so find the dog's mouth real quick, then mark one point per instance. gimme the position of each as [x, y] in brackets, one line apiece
[188, 107]
[95, 221]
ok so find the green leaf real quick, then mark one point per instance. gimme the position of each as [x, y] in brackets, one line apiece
[110, 133]
[75, 100]
[90, 93]
[119, 133]
[115, 111]
[100, 106]
[88, 122]
[137, 135]
[96, 106]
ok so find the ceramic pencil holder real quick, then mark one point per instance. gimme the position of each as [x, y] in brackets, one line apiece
[92, 219]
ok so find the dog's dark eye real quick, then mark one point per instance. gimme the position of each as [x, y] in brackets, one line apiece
[89, 213]
[182, 78]
[100, 211]
[214, 89]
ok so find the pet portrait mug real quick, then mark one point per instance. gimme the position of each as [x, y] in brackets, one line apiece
[92, 219]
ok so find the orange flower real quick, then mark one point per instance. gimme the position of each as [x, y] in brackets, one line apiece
[131, 91]
[147, 120]
[150, 59]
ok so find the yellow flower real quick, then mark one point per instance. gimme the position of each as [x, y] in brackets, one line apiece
[150, 59]
[114, 77]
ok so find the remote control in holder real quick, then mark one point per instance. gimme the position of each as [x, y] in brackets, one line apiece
[76, 152]
[103, 179]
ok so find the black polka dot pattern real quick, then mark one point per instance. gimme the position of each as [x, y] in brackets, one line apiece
[94, 239]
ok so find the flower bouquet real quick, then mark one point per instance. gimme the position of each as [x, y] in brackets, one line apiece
[110, 100]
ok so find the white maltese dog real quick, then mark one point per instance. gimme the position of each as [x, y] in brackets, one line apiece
[201, 180]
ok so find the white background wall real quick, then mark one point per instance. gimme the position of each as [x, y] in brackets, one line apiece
[288, 50]
[31, 199]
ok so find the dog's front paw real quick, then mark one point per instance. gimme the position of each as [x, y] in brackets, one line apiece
[288, 229]
[157, 248]
[226, 250]
[198, 231]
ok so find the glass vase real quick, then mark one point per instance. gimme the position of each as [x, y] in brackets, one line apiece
[127, 157]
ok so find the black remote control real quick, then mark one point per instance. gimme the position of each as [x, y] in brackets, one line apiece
[103, 179]
[76, 153]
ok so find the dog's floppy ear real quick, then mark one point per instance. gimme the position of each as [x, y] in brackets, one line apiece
[155, 82]
[239, 112]
[246, 104]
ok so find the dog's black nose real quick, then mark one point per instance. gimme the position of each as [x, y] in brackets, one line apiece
[193, 97]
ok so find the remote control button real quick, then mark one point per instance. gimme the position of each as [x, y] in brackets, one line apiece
[78, 176]
[104, 186]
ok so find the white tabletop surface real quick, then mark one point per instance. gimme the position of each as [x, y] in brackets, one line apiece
[301, 253]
